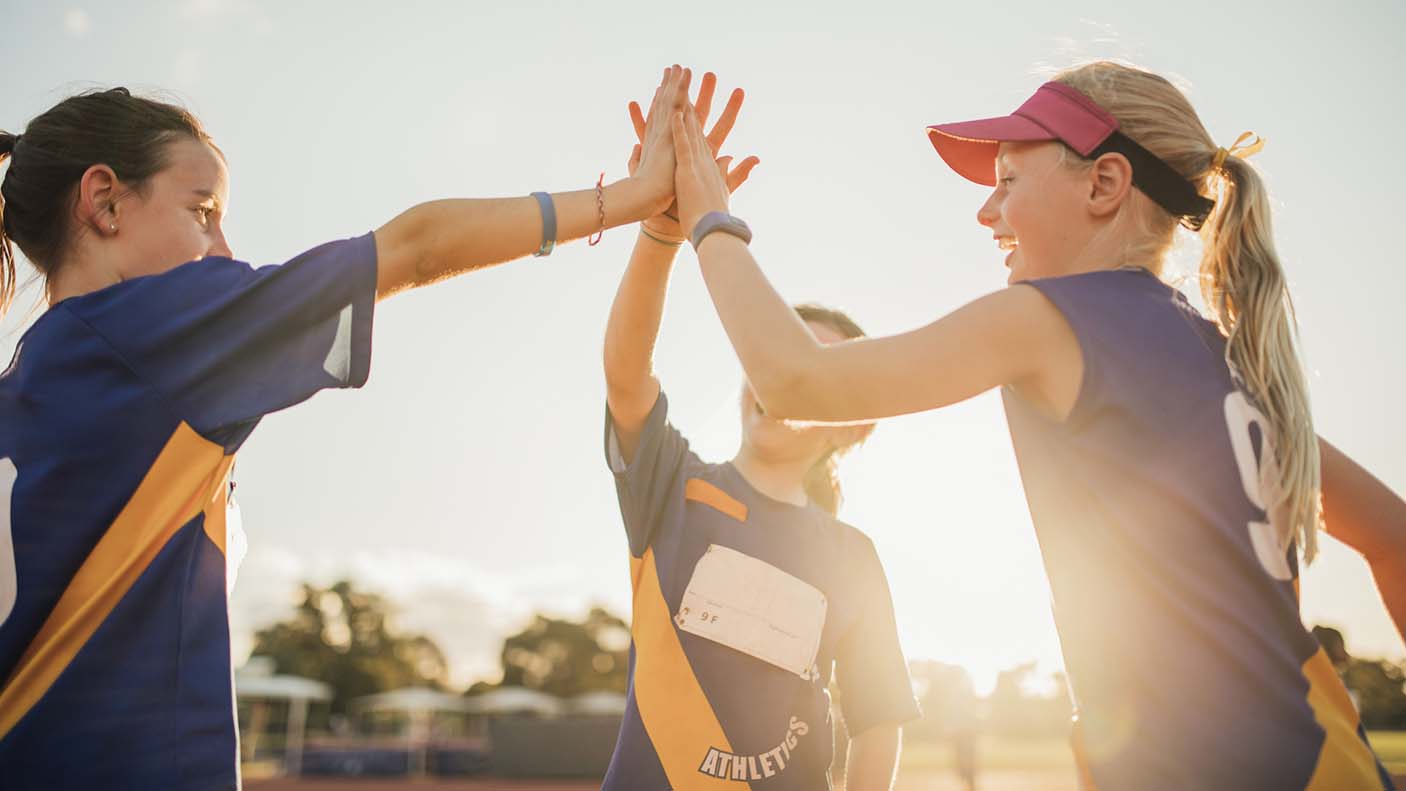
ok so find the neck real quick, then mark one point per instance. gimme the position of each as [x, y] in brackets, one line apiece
[784, 481]
[1107, 249]
[73, 279]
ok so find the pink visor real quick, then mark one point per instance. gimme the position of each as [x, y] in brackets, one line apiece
[1055, 112]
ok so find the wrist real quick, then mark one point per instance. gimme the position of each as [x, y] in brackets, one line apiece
[719, 223]
[630, 200]
[653, 239]
[660, 225]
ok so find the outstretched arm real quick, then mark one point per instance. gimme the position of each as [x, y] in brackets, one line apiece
[1014, 336]
[1363, 513]
[440, 239]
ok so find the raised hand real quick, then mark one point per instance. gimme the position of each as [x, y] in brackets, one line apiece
[667, 222]
[653, 161]
[702, 183]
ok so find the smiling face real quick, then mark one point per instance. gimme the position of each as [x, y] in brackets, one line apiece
[177, 216]
[1037, 212]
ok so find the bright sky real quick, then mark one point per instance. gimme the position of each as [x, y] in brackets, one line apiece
[466, 479]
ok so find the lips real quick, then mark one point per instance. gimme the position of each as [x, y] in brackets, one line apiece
[1008, 245]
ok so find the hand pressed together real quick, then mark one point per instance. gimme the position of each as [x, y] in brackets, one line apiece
[647, 154]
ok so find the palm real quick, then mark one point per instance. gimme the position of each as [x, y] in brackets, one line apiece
[702, 107]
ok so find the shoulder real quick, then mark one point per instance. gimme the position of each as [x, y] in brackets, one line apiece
[190, 283]
[852, 539]
[1104, 292]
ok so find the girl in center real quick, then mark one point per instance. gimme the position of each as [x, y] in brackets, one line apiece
[747, 589]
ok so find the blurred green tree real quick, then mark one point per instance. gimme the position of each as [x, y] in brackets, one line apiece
[1023, 703]
[564, 658]
[1378, 687]
[344, 637]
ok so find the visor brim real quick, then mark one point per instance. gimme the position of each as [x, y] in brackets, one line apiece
[970, 147]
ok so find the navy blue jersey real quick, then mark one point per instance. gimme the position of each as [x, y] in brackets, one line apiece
[712, 709]
[119, 418]
[1174, 594]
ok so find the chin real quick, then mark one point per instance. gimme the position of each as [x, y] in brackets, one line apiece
[771, 443]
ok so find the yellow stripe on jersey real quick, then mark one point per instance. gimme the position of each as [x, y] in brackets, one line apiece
[701, 491]
[677, 715]
[186, 476]
[1345, 763]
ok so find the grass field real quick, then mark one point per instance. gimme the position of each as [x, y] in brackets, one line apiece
[1391, 748]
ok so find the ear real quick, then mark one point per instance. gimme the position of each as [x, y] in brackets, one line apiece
[1110, 182]
[96, 206]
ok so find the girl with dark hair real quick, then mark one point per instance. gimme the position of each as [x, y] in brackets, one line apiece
[749, 593]
[127, 399]
[1169, 458]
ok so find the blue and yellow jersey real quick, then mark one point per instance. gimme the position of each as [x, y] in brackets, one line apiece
[119, 418]
[1174, 594]
[744, 606]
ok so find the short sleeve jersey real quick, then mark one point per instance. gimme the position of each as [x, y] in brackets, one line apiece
[700, 713]
[1174, 597]
[120, 415]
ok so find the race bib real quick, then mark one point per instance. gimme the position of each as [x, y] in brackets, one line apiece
[751, 606]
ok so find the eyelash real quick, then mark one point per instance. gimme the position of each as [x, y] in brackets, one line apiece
[1005, 179]
[204, 212]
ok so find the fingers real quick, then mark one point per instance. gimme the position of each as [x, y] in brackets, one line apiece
[634, 163]
[683, 152]
[704, 104]
[637, 118]
[681, 97]
[738, 175]
[725, 121]
[696, 139]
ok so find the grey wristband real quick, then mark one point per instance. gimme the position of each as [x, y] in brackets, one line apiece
[549, 224]
[720, 221]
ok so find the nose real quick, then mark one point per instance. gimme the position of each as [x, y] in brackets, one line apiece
[220, 245]
[989, 212]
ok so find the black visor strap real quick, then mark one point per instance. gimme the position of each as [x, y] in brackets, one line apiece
[1159, 181]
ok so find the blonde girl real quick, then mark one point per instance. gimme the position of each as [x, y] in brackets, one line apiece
[1169, 459]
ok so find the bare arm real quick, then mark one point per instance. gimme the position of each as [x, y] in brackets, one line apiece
[873, 759]
[630, 385]
[1363, 513]
[1014, 336]
[440, 239]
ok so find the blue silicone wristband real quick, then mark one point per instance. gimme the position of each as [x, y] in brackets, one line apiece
[549, 223]
[720, 221]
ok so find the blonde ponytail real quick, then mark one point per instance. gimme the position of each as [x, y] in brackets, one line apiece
[822, 483]
[1243, 282]
[1240, 274]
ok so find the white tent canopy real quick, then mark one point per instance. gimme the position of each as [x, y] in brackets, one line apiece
[413, 699]
[257, 683]
[597, 703]
[515, 700]
[281, 688]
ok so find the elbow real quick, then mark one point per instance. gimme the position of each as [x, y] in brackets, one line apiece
[788, 394]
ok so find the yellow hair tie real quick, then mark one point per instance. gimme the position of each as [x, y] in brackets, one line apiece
[1237, 150]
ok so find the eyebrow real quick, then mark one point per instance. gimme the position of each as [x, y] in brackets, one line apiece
[209, 195]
